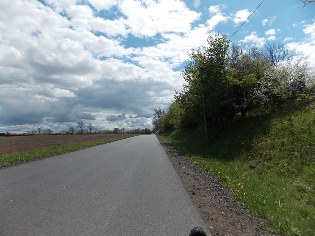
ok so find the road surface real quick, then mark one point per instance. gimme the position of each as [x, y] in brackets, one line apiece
[128, 187]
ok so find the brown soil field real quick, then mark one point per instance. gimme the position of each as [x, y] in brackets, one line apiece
[13, 144]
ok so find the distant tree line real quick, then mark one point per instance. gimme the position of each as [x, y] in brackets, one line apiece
[140, 131]
[41, 131]
[81, 128]
[224, 81]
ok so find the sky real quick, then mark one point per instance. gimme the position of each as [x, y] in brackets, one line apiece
[112, 62]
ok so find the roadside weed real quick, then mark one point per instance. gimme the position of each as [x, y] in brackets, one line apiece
[269, 163]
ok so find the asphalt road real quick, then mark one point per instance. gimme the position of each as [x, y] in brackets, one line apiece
[127, 187]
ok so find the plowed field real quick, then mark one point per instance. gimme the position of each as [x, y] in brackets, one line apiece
[13, 144]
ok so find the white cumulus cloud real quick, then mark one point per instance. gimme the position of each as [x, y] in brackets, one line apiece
[217, 16]
[71, 63]
[103, 4]
[271, 34]
[254, 39]
[268, 21]
[151, 18]
[306, 48]
[241, 16]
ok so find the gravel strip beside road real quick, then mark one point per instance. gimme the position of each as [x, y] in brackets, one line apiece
[222, 214]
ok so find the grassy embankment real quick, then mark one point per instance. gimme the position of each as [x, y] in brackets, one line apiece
[268, 161]
[20, 157]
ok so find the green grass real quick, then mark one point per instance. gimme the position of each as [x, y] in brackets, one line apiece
[269, 163]
[20, 157]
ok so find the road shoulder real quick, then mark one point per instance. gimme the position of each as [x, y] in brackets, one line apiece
[222, 213]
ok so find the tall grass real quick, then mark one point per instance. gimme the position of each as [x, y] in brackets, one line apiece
[269, 162]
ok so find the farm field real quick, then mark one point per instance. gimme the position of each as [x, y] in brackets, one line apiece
[13, 144]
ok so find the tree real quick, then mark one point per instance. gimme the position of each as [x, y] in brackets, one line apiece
[173, 118]
[147, 131]
[222, 81]
[246, 72]
[90, 127]
[305, 2]
[39, 130]
[288, 82]
[276, 53]
[206, 83]
[48, 131]
[81, 126]
[71, 130]
[157, 119]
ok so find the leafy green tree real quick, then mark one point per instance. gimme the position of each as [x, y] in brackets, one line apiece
[288, 82]
[157, 120]
[222, 81]
[206, 82]
[173, 118]
[245, 75]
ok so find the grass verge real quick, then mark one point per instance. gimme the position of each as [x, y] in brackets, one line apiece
[268, 161]
[20, 157]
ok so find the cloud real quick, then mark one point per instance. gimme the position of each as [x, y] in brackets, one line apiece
[271, 34]
[268, 21]
[111, 28]
[63, 71]
[264, 22]
[134, 96]
[217, 17]
[215, 9]
[174, 50]
[152, 18]
[310, 30]
[48, 52]
[241, 16]
[103, 5]
[79, 12]
[59, 6]
[116, 117]
[105, 62]
[82, 17]
[72, 63]
[197, 3]
[254, 39]
[306, 48]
